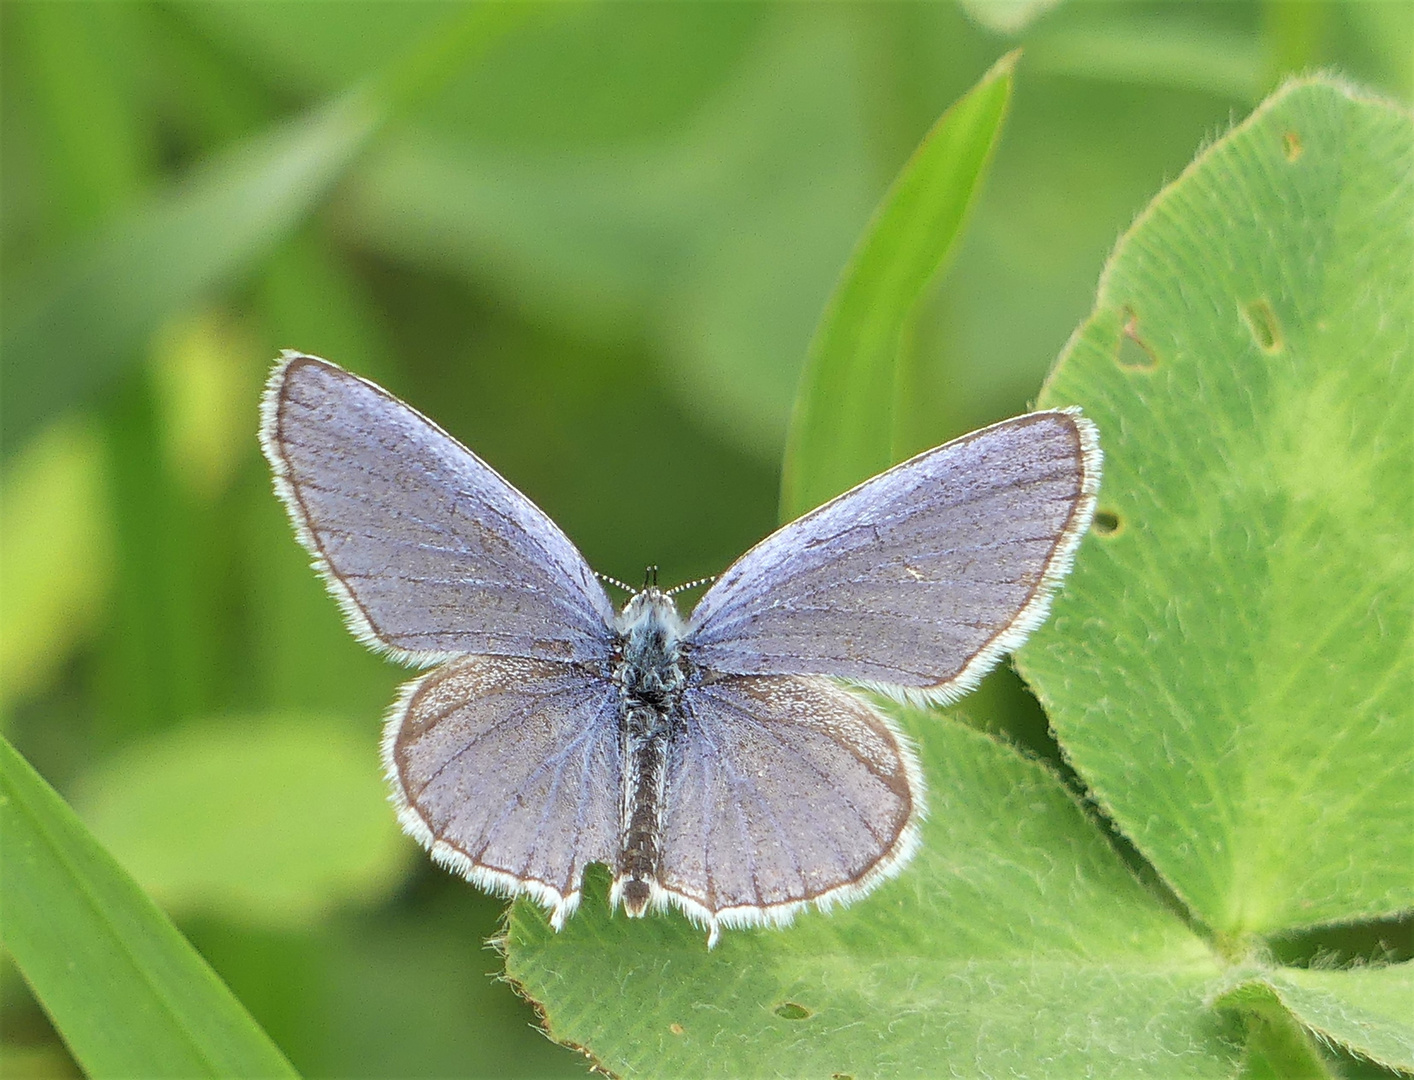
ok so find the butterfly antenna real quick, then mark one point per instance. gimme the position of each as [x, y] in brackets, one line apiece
[615, 581]
[690, 585]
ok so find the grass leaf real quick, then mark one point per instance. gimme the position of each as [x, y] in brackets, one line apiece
[128, 993]
[842, 430]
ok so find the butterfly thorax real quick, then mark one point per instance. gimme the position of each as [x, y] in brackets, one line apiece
[652, 669]
[650, 675]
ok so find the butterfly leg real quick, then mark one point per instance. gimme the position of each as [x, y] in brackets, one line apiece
[647, 733]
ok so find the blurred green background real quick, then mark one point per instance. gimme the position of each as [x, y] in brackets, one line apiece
[591, 241]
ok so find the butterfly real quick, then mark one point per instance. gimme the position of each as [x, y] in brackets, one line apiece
[724, 763]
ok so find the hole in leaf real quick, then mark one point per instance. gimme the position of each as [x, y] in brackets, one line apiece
[1263, 324]
[1133, 351]
[789, 1010]
[1291, 145]
[841, 1076]
[1107, 522]
[676, 1029]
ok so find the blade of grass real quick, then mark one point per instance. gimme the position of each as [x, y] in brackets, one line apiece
[93, 310]
[127, 992]
[842, 430]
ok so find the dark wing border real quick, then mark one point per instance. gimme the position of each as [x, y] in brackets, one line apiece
[1038, 605]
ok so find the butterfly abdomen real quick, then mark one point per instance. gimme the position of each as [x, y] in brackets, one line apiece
[646, 734]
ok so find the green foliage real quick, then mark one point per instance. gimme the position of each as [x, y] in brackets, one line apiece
[1246, 723]
[1365, 1009]
[170, 254]
[130, 995]
[1277, 1047]
[56, 547]
[97, 307]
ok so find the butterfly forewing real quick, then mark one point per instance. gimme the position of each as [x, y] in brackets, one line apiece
[506, 770]
[429, 551]
[785, 790]
[920, 577]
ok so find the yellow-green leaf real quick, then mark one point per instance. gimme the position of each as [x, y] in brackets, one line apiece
[1229, 666]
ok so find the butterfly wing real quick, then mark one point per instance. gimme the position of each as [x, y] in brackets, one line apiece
[429, 552]
[786, 790]
[506, 770]
[920, 578]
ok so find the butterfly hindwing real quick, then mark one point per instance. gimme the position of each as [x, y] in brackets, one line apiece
[505, 769]
[785, 790]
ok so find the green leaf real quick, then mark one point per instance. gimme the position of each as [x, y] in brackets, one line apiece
[841, 431]
[126, 991]
[1229, 666]
[274, 820]
[92, 312]
[1277, 1048]
[1016, 941]
[1368, 1010]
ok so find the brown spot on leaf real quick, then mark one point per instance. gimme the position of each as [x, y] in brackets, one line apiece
[1132, 351]
[1263, 325]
